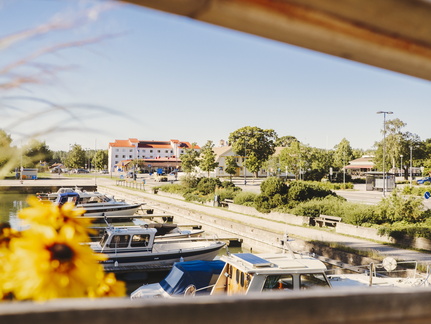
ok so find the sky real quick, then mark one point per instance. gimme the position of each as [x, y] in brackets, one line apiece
[155, 76]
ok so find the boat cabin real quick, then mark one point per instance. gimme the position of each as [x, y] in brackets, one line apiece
[127, 237]
[246, 273]
[65, 197]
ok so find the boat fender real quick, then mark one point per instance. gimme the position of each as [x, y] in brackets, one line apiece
[190, 290]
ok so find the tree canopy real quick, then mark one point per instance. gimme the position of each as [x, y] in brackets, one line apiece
[254, 144]
[190, 159]
[207, 160]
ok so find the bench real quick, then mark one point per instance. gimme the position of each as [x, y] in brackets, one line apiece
[226, 202]
[328, 221]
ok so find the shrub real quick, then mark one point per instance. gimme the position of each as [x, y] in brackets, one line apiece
[302, 191]
[190, 181]
[208, 185]
[399, 230]
[397, 208]
[229, 193]
[263, 204]
[245, 198]
[350, 213]
[273, 186]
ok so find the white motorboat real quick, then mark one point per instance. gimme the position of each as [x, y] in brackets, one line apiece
[136, 247]
[99, 206]
[244, 273]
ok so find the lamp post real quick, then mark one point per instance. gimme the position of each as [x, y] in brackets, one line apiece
[411, 165]
[384, 146]
[245, 157]
[402, 170]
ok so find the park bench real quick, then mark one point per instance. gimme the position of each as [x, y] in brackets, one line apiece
[328, 221]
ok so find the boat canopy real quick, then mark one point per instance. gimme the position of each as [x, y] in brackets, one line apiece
[197, 273]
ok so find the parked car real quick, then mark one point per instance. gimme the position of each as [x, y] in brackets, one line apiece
[81, 171]
[422, 181]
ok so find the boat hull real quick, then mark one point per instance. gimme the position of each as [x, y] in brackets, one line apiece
[123, 260]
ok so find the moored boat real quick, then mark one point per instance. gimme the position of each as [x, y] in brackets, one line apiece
[136, 247]
[100, 207]
[185, 278]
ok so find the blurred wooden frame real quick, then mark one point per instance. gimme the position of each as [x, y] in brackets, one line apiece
[390, 34]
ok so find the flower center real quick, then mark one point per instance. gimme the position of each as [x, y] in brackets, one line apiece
[61, 252]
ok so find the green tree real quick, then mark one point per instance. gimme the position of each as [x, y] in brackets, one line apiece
[100, 159]
[8, 154]
[398, 143]
[256, 145]
[76, 157]
[343, 154]
[320, 162]
[35, 153]
[230, 166]
[207, 160]
[190, 159]
[285, 141]
[295, 158]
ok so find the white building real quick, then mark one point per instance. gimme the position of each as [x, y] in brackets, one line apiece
[153, 154]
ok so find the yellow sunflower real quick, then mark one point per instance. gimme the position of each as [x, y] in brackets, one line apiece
[47, 264]
[49, 214]
[108, 286]
[7, 233]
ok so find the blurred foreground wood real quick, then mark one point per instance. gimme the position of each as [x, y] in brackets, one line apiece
[324, 306]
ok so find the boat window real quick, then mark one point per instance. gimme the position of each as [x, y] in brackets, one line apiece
[242, 279]
[312, 280]
[276, 282]
[140, 240]
[104, 239]
[120, 241]
[236, 275]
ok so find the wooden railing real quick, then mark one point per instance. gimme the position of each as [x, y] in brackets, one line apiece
[305, 307]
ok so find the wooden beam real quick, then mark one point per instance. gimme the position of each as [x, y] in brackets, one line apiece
[390, 34]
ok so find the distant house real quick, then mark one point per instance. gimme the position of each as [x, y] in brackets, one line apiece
[221, 153]
[152, 154]
[362, 165]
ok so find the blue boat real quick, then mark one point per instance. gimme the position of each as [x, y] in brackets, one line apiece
[186, 278]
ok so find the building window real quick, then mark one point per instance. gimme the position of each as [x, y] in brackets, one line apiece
[130, 156]
[124, 156]
[151, 151]
[116, 156]
[158, 151]
[131, 150]
[166, 151]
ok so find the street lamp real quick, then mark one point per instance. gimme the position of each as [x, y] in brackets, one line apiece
[245, 157]
[384, 146]
[402, 170]
[411, 165]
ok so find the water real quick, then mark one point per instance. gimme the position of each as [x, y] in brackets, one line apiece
[10, 204]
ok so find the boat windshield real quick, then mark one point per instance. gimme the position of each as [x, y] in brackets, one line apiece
[313, 280]
[104, 239]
